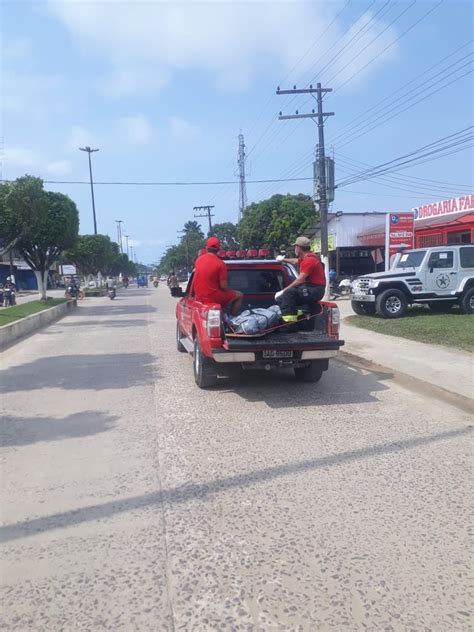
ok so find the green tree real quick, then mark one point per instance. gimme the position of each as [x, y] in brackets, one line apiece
[277, 221]
[41, 224]
[93, 254]
[227, 233]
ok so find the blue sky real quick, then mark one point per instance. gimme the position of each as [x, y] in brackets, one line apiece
[163, 89]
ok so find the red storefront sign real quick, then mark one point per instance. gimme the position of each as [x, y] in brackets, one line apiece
[399, 232]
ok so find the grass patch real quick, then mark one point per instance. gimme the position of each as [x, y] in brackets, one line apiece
[420, 324]
[10, 314]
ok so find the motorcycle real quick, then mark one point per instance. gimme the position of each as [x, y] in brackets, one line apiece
[111, 293]
[155, 283]
[343, 288]
[8, 297]
[72, 291]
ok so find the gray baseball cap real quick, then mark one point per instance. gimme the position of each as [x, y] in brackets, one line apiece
[304, 242]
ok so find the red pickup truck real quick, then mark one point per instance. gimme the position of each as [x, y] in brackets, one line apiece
[200, 329]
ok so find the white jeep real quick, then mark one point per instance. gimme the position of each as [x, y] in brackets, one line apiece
[441, 276]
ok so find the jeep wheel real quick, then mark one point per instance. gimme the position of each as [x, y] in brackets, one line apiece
[466, 302]
[204, 370]
[440, 306]
[391, 304]
[310, 373]
[363, 309]
[179, 344]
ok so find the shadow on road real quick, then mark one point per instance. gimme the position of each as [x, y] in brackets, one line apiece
[21, 431]
[123, 322]
[88, 371]
[202, 491]
[114, 309]
[339, 385]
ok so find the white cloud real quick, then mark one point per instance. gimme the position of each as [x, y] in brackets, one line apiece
[79, 136]
[20, 157]
[183, 131]
[135, 129]
[59, 167]
[234, 42]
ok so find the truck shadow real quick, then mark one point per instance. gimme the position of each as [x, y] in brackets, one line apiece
[20, 431]
[339, 385]
[82, 371]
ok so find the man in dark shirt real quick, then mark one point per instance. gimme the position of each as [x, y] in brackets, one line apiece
[210, 280]
[308, 287]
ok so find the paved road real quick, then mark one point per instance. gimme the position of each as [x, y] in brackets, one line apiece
[134, 501]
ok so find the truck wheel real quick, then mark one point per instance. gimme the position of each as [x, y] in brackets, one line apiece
[204, 370]
[466, 302]
[442, 307]
[179, 344]
[391, 304]
[310, 373]
[363, 309]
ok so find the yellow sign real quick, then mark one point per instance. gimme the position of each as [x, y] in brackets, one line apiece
[316, 244]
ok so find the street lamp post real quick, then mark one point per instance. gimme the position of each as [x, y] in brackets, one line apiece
[89, 152]
[126, 237]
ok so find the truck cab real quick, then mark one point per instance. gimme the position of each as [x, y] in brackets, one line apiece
[201, 329]
[441, 277]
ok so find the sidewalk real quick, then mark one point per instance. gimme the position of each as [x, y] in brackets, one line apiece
[434, 365]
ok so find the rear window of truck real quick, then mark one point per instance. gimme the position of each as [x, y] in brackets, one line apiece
[256, 281]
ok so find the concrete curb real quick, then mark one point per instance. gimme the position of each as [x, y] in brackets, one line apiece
[16, 331]
[409, 382]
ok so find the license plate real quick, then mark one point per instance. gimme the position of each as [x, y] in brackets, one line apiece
[267, 354]
[359, 297]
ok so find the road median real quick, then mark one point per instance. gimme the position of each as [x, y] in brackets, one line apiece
[26, 325]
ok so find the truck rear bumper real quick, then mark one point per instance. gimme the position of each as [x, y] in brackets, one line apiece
[229, 357]
[223, 357]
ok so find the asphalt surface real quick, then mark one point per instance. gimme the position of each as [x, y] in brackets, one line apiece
[132, 500]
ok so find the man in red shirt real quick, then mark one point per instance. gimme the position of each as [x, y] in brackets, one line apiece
[308, 287]
[210, 280]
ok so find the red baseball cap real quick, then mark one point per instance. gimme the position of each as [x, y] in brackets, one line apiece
[214, 243]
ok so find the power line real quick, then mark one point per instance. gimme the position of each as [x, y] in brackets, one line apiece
[425, 15]
[454, 140]
[374, 39]
[392, 94]
[176, 183]
[362, 130]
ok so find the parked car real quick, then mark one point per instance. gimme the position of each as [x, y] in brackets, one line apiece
[441, 277]
[200, 329]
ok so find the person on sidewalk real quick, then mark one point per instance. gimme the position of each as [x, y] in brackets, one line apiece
[308, 287]
[210, 280]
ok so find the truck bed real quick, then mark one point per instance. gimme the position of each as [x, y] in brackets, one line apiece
[281, 339]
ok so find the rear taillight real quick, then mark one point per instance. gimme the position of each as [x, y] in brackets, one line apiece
[335, 320]
[214, 323]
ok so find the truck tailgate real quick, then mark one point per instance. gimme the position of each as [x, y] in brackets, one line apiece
[296, 341]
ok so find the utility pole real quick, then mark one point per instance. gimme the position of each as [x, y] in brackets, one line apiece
[319, 117]
[206, 212]
[242, 185]
[89, 152]
[126, 239]
[119, 233]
